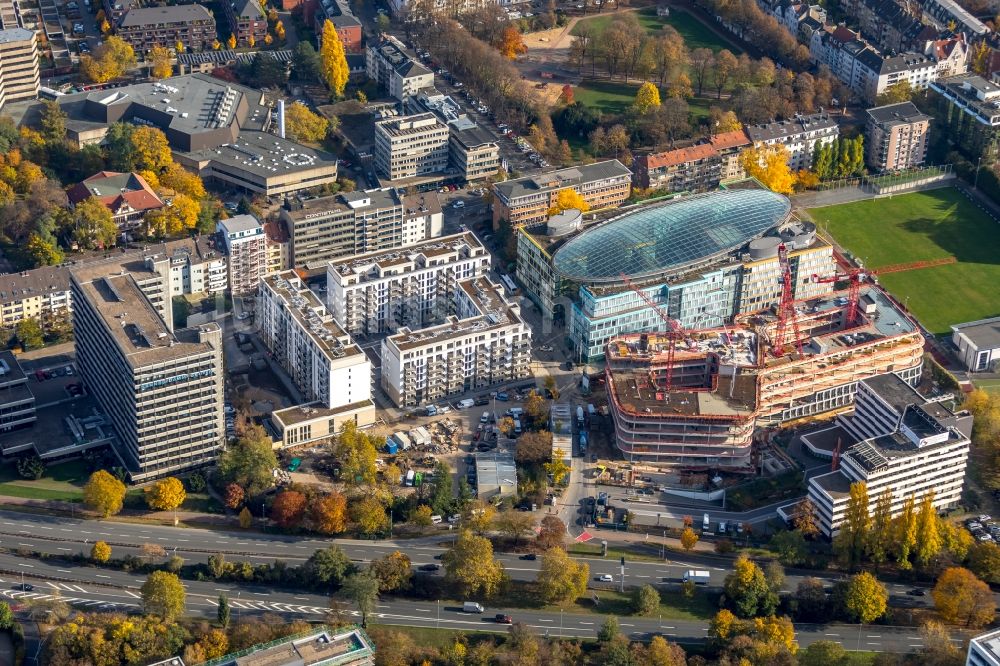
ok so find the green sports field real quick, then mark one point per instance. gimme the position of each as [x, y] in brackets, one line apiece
[921, 226]
[695, 33]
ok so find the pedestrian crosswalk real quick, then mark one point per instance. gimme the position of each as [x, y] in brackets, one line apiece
[55, 594]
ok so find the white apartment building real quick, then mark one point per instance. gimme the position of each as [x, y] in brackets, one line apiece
[325, 364]
[411, 146]
[904, 442]
[246, 247]
[387, 63]
[329, 228]
[799, 135]
[984, 650]
[161, 390]
[484, 342]
[19, 78]
[381, 292]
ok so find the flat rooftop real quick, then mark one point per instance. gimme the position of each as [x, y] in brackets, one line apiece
[882, 451]
[834, 483]
[561, 178]
[987, 645]
[267, 155]
[324, 646]
[368, 200]
[893, 390]
[496, 470]
[984, 333]
[368, 266]
[135, 325]
[10, 369]
[154, 16]
[302, 413]
[311, 316]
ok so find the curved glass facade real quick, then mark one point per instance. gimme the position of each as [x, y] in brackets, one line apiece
[670, 237]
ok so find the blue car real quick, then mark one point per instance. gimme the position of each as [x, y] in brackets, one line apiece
[502, 396]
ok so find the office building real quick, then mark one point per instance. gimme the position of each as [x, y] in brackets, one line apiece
[967, 109]
[19, 78]
[798, 135]
[896, 137]
[978, 344]
[246, 248]
[161, 390]
[388, 64]
[701, 404]
[473, 151]
[675, 255]
[17, 403]
[904, 443]
[326, 366]
[381, 292]
[482, 341]
[411, 146]
[192, 26]
[217, 129]
[527, 200]
[328, 228]
[246, 21]
[984, 650]
[127, 195]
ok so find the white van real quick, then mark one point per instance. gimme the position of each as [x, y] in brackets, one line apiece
[472, 607]
[485, 418]
[465, 404]
[436, 519]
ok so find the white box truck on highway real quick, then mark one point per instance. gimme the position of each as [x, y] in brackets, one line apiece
[472, 607]
[706, 524]
[698, 577]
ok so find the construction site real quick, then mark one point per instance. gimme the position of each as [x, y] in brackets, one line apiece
[694, 399]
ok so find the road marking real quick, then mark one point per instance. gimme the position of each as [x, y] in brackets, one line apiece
[262, 594]
[52, 585]
[30, 566]
[419, 610]
[302, 598]
[873, 637]
[872, 643]
[64, 571]
[581, 622]
[132, 594]
[102, 576]
[26, 544]
[837, 635]
[668, 627]
[627, 625]
[66, 549]
[541, 620]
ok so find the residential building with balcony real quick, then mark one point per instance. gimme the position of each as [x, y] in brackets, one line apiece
[411, 146]
[17, 403]
[694, 168]
[799, 135]
[277, 247]
[19, 77]
[527, 200]
[161, 390]
[347, 25]
[388, 64]
[905, 444]
[967, 109]
[193, 26]
[896, 137]
[246, 19]
[246, 248]
[353, 223]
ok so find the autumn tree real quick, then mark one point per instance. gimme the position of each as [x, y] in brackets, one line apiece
[100, 552]
[747, 590]
[109, 61]
[961, 598]
[369, 515]
[511, 43]
[854, 530]
[551, 533]
[566, 95]
[514, 524]
[769, 165]
[702, 62]
[904, 534]
[533, 448]
[288, 508]
[304, 125]
[866, 599]
[163, 595]
[689, 538]
[235, 496]
[567, 199]
[422, 516]
[928, 533]
[166, 494]
[249, 462]
[557, 468]
[104, 493]
[479, 516]
[245, 518]
[471, 565]
[647, 98]
[645, 600]
[29, 333]
[329, 513]
[879, 540]
[93, 224]
[561, 579]
[896, 94]
[179, 179]
[724, 66]
[231, 42]
[357, 454]
[160, 63]
[393, 571]
[333, 62]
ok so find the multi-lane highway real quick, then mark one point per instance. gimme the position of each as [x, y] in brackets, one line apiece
[95, 589]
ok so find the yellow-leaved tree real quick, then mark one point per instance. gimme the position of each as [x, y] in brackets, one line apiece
[152, 152]
[566, 199]
[166, 494]
[866, 599]
[302, 124]
[104, 493]
[647, 98]
[160, 62]
[231, 42]
[769, 165]
[333, 61]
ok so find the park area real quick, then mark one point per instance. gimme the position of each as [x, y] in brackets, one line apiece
[615, 97]
[933, 225]
[695, 33]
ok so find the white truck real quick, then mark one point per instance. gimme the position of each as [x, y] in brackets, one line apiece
[472, 607]
[579, 415]
[706, 524]
[698, 577]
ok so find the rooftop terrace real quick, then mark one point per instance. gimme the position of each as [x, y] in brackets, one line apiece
[311, 315]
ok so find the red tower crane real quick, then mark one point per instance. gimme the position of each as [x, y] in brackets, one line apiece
[675, 331]
[786, 307]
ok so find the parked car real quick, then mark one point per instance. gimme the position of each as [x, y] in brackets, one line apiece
[606, 578]
[430, 567]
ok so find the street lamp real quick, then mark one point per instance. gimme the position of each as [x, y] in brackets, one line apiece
[438, 623]
[975, 184]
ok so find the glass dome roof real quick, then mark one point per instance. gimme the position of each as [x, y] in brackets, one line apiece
[670, 237]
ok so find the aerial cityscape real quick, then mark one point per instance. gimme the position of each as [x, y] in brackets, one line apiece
[513, 333]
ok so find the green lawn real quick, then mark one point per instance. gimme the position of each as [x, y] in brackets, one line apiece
[606, 96]
[696, 34]
[988, 385]
[921, 226]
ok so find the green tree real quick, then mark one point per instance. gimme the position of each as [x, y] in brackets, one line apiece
[30, 467]
[305, 62]
[561, 579]
[866, 599]
[645, 600]
[121, 152]
[357, 454]
[747, 591]
[163, 595]
[6, 617]
[647, 98]
[790, 547]
[824, 653]
[896, 93]
[333, 62]
[104, 493]
[53, 121]
[222, 614]
[327, 567]
[249, 462]
[362, 589]
[928, 535]
[29, 333]
[100, 552]
[850, 541]
[93, 224]
[609, 630]
[470, 565]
